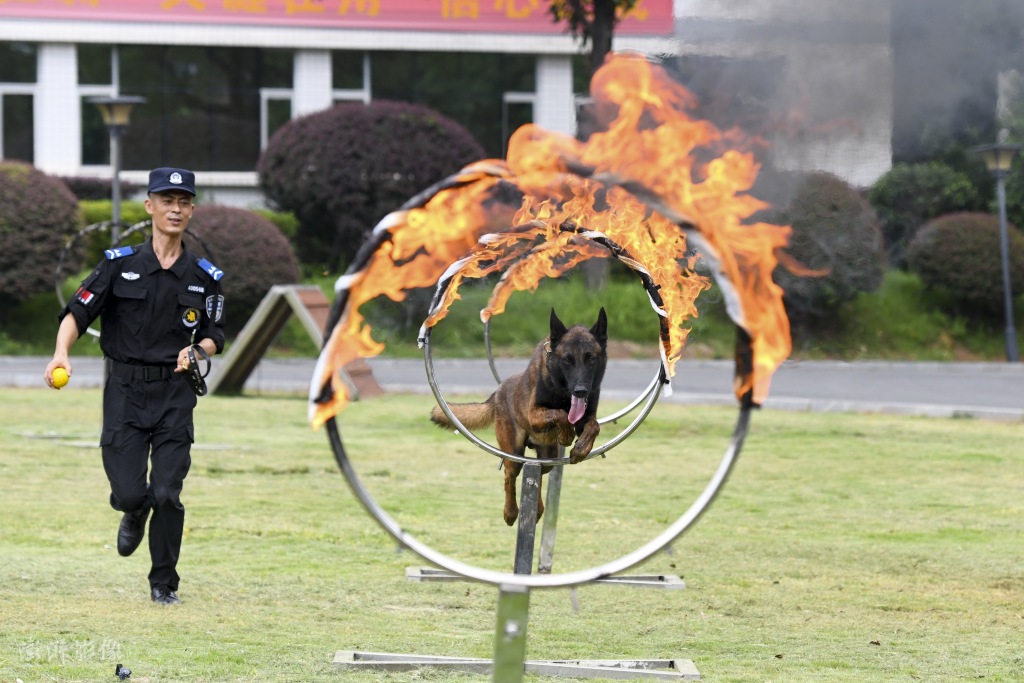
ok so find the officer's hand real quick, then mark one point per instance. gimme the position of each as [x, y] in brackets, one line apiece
[57, 362]
[182, 360]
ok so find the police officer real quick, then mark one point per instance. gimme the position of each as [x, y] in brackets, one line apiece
[154, 302]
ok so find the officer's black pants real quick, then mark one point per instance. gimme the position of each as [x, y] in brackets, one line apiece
[147, 421]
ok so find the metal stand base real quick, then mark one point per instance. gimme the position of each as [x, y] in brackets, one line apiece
[664, 581]
[509, 663]
[527, 535]
[646, 669]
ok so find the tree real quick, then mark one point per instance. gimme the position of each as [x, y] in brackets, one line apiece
[593, 22]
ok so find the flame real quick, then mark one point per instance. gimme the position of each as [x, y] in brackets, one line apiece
[651, 185]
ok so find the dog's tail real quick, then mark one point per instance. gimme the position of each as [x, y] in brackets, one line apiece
[472, 415]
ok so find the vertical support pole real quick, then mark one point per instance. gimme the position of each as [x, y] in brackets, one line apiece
[550, 524]
[529, 484]
[115, 185]
[1004, 248]
[510, 639]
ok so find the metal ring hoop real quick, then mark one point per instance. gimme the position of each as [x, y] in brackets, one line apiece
[641, 554]
[652, 398]
[651, 393]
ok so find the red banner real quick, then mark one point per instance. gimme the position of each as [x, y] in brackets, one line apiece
[650, 17]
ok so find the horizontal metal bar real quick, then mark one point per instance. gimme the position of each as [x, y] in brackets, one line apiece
[666, 581]
[614, 669]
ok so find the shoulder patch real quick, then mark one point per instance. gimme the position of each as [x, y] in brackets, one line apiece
[210, 269]
[118, 253]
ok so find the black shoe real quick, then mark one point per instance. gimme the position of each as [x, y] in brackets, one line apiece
[164, 596]
[131, 531]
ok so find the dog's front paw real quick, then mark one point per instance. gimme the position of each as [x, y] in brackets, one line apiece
[566, 433]
[578, 454]
[511, 513]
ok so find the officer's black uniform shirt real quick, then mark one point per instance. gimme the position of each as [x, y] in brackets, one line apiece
[149, 314]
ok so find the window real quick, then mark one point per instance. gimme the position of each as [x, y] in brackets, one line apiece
[347, 69]
[275, 111]
[207, 108]
[467, 87]
[17, 88]
[350, 76]
[17, 62]
[516, 110]
[16, 127]
[95, 64]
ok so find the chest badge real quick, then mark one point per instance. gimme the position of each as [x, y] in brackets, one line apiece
[190, 318]
[129, 275]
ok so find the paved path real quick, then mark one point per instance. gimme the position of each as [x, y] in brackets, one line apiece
[985, 390]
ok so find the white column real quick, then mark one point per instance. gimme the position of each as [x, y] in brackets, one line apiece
[311, 87]
[58, 110]
[555, 108]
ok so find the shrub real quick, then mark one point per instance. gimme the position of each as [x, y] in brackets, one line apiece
[910, 195]
[959, 257]
[37, 216]
[343, 169]
[836, 233]
[285, 221]
[251, 251]
[99, 210]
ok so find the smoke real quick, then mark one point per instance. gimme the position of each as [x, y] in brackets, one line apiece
[948, 56]
[850, 87]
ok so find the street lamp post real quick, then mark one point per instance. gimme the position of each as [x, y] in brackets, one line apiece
[999, 158]
[116, 112]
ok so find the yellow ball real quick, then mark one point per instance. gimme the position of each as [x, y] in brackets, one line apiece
[60, 377]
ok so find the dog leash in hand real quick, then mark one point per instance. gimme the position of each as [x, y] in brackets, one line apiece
[194, 375]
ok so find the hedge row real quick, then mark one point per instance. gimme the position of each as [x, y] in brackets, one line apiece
[336, 173]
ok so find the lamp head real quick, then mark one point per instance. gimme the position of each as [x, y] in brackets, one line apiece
[998, 157]
[116, 111]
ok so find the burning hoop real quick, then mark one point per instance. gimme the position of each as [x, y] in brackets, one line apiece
[633, 190]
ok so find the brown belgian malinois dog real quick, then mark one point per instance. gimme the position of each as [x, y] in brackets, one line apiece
[553, 403]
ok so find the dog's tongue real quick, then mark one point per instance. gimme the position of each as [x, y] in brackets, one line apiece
[576, 408]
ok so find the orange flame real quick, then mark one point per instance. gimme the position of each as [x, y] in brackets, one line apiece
[639, 183]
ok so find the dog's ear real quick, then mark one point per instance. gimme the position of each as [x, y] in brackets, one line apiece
[558, 329]
[600, 328]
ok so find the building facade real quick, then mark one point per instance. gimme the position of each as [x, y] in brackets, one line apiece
[812, 78]
[220, 76]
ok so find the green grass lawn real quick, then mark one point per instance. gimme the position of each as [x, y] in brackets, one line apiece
[844, 548]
